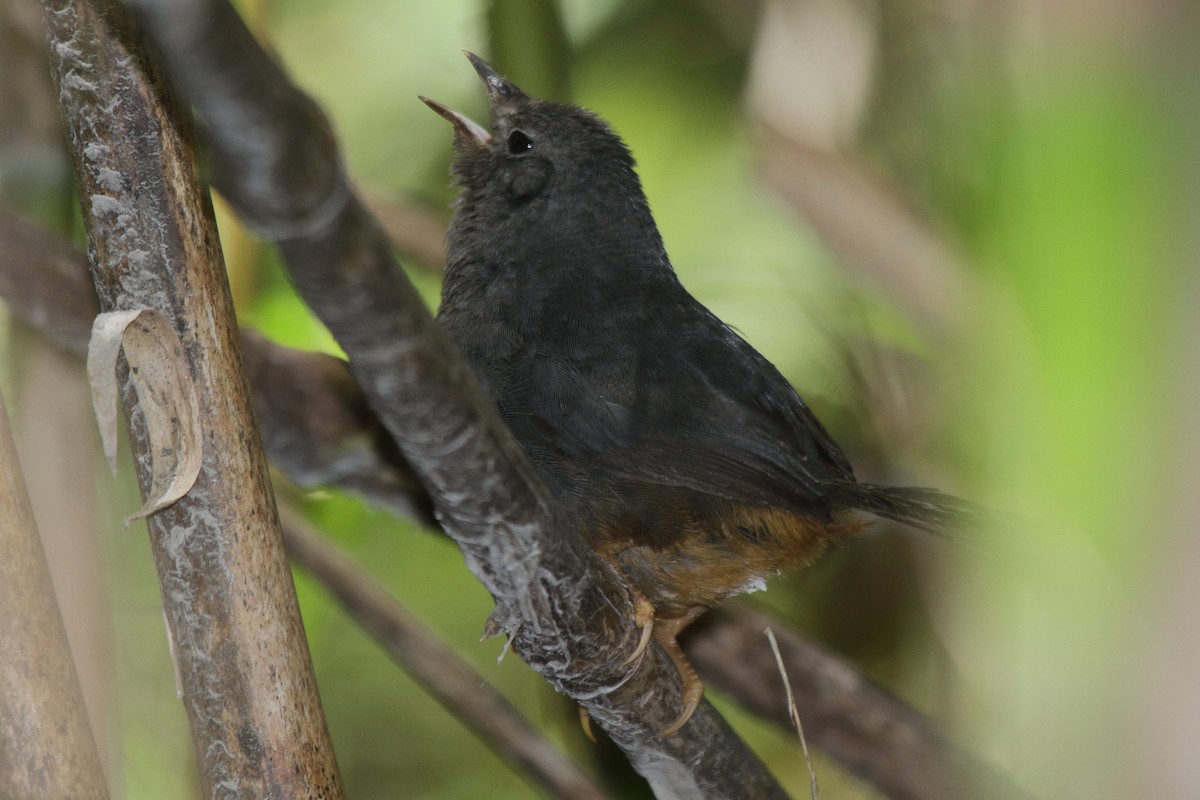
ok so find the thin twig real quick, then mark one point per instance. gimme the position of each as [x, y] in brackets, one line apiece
[794, 712]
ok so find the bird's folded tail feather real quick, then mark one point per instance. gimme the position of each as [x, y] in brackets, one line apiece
[926, 509]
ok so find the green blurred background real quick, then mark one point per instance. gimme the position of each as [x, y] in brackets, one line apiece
[966, 230]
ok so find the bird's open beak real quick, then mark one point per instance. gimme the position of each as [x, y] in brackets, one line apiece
[464, 127]
[501, 93]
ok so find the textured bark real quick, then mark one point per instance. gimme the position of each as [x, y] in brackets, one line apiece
[46, 745]
[230, 605]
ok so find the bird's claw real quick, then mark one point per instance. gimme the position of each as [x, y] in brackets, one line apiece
[585, 722]
[693, 692]
[643, 617]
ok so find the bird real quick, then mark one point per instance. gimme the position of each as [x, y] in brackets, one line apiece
[695, 468]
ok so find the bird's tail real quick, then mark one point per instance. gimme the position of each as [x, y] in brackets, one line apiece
[927, 509]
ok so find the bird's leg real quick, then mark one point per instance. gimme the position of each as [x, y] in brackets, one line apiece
[665, 631]
[643, 617]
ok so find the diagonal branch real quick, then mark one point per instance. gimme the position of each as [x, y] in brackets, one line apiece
[275, 160]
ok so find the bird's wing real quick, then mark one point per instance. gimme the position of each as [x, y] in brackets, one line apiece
[713, 416]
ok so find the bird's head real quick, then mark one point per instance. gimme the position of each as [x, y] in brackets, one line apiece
[543, 166]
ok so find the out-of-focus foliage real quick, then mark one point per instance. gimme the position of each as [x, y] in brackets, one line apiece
[1046, 147]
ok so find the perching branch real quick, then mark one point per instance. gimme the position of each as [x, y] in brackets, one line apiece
[568, 617]
[230, 606]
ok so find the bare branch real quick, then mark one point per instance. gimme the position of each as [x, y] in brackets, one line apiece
[227, 592]
[568, 616]
[461, 690]
[46, 745]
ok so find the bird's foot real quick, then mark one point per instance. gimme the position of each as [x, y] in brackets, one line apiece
[665, 632]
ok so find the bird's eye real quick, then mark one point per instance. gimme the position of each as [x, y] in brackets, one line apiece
[519, 143]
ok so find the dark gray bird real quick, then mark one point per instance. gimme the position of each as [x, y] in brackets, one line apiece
[697, 469]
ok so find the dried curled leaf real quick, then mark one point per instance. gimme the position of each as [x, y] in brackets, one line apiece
[166, 398]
